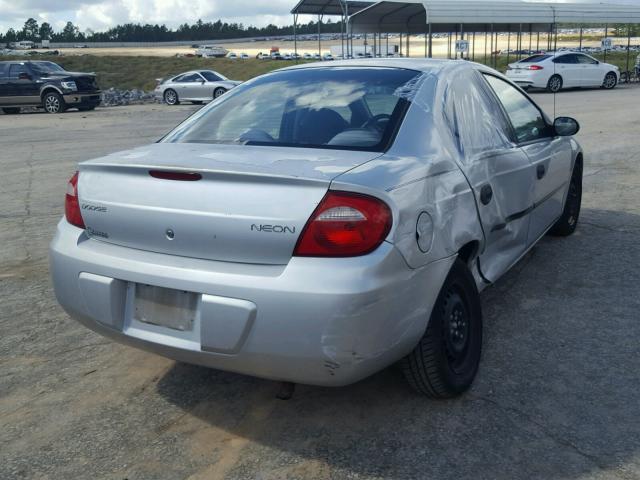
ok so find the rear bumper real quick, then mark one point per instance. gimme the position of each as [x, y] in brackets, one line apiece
[313, 321]
[82, 99]
[537, 79]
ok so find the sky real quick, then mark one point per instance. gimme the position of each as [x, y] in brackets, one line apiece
[99, 15]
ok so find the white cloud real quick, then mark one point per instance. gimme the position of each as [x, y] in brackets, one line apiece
[102, 14]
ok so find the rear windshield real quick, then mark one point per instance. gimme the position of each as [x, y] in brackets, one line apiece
[353, 108]
[534, 59]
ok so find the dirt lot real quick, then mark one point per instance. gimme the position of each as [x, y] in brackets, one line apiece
[416, 47]
[556, 396]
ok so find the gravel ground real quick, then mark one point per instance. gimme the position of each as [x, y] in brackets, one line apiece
[556, 396]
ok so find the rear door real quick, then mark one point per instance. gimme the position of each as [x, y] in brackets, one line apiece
[550, 156]
[22, 85]
[498, 171]
[4, 83]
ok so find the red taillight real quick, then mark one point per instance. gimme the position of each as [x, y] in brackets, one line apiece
[345, 224]
[71, 204]
[535, 67]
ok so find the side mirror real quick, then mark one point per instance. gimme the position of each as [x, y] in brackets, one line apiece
[566, 126]
[24, 76]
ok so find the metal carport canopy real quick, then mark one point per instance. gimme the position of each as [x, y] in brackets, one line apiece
[413, 16]
[329, 7]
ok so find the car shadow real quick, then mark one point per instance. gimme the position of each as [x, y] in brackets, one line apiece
[556, 395]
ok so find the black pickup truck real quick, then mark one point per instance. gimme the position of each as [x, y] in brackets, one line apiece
[47, 85]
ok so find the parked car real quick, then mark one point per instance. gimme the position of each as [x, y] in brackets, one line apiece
[47, 85]
[327, 57]
[318, 238]
[555, 71]
[307, 56]
[244, 56]
[196, 86]
[232, 56]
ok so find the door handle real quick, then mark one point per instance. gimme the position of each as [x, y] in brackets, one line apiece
[486, 194]
[541, 171]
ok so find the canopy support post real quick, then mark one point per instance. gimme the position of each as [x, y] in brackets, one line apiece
[400, 48]
[295, 35]
[486, 34]
[628, 50]
[606, 35]
[408, 44]
[319, 41]
[473, 47]
[581, 29]
[509, 45]
[430, 42]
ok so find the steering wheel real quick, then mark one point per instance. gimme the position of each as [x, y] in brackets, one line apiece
[375, 120]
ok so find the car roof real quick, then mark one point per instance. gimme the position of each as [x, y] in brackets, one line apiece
[430, 65]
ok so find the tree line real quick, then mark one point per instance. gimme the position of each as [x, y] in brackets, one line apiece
[135, 32]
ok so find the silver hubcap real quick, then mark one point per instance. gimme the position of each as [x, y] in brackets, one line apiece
[555, 84]
[609, 81]
[52, 104]
[171, 98]
[219, 93]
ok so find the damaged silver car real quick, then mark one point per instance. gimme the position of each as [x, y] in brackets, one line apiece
[322, 222]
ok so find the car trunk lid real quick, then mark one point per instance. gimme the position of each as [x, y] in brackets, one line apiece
[220, 202]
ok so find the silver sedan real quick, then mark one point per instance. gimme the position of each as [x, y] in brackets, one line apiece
[320, 223]
[197, 86]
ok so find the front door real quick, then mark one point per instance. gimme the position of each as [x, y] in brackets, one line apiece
[592, 72]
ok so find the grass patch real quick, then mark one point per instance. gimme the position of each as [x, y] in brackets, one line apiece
[140, 72]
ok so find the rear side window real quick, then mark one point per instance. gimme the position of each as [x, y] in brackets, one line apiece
[191, 78]
[339, 108]
[527, 120]
[534, 59]
[16, 69]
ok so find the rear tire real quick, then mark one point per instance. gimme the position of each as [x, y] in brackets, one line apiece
[610, 81]
[53, 103]
[554, 85]
[218, 92]
[446, 360]
[568, 221]
[171, 97]
[11, 111]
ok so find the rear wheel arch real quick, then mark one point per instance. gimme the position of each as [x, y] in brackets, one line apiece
[468, 252]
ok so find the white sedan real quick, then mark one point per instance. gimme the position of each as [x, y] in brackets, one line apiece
[197, 86]
[563, 70]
